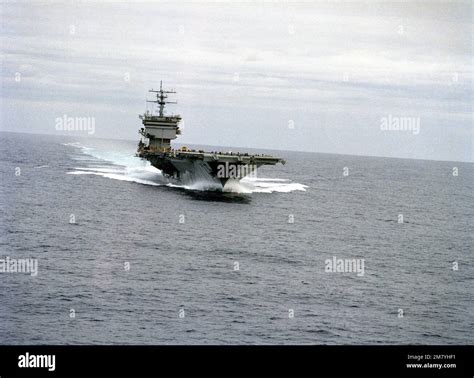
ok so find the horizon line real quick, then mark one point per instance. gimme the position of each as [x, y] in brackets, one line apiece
[267, 149]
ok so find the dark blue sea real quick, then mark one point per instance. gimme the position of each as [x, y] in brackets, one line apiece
[125, 258]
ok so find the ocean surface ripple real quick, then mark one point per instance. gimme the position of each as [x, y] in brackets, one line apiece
[140, 261]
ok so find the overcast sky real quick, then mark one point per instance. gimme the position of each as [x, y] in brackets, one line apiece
[312, 77]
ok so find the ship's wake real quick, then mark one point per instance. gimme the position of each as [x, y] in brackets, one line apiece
[124, 166]
[263, 185]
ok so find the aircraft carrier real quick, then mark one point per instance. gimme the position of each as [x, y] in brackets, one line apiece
[184, 165]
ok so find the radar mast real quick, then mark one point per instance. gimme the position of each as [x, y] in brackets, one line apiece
[161, 97]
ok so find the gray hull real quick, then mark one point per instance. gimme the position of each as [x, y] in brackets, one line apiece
[187, 167]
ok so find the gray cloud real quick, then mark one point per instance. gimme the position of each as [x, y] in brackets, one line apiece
[334, 69]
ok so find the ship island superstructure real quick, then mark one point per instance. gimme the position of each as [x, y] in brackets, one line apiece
[184, 165]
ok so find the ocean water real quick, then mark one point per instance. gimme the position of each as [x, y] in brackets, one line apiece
[183, 246]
